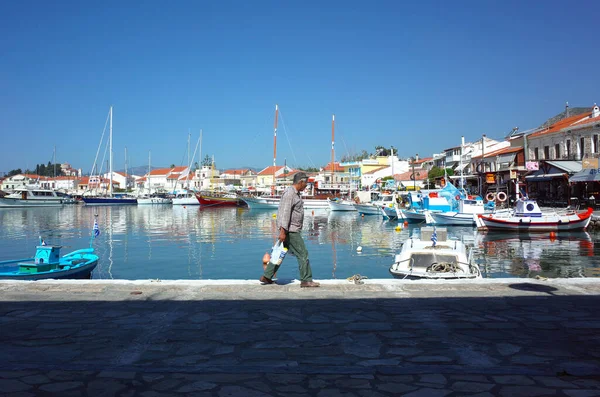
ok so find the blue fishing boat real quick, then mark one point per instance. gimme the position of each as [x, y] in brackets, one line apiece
[48, 264]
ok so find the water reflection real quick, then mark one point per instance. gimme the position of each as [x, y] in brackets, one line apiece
[530, 255]
[179, 242]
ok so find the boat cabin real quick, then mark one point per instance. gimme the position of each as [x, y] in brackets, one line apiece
[528, 208]
[47, 257]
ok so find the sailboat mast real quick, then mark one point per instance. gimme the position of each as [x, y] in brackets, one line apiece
[332, 148]
[126, 169]
[188, 161]
[200, 161]
[110, 155]
[274, 149]
[149, 171]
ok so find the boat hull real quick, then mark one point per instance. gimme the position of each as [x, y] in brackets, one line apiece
[453, 218]
[341, 205]
[273, 203]
[19, 203]
[413, 217]
[75, 265]
[544, 223]
[210, 201]
[368, 209]
[109, 201]
[186, 201]
[154, 200]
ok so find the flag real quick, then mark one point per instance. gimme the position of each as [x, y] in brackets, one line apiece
[96, 228]
[434, 237]
[184, 174]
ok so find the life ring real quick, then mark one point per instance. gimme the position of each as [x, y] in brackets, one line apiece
[490, 196]
[502, 196]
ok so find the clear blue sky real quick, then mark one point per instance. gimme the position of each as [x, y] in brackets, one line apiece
[415, 75]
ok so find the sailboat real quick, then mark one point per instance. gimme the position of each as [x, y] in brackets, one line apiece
[271, 202]
[150, 198]
[338, 204]
[186, 196]
[111, 199]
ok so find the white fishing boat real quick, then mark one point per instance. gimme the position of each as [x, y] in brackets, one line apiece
[375, 206]
[337, 204]
[528, 217]
[465, 216]
[32, 197]
[433, 256]
[185, 198]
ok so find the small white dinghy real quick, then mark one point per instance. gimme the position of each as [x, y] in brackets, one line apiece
[433, 256]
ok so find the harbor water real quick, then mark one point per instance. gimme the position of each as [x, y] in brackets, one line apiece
[189, 242]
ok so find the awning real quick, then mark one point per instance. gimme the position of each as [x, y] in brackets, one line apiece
[544, 177]
[586, 175]
[506, 158]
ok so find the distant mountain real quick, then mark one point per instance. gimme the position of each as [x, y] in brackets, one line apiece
[563, 115]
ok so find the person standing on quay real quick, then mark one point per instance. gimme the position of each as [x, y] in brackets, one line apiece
[290, 217]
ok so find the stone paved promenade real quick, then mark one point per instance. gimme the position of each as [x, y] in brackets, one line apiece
[505, 337]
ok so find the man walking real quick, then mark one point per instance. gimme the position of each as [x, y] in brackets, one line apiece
[290, 217]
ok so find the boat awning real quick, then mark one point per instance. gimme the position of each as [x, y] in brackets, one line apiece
[544, 177]
[586, 175]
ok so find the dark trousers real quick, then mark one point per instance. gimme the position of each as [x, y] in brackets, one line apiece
[295, 244]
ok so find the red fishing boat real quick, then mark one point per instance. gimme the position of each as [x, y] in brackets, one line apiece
[219, 199]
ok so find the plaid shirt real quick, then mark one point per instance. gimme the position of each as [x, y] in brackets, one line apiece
[290, 214]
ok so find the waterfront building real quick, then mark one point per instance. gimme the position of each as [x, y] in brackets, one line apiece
[20, 181]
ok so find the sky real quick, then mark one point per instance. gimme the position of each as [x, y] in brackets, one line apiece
[413, 75]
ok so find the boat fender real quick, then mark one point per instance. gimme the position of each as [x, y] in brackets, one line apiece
[502, 196]
[490, 196]
[457, 197]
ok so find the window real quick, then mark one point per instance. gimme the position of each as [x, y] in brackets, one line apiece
[556, 151]
[536, 153]
[581, 147]
[546, 152]
[595, 143]
[568, 148]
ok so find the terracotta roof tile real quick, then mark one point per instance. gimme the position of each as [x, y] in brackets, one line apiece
[559, 125]
[498, 152]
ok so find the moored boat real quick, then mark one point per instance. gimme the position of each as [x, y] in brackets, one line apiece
[219, 200]
[48, 264]
[528, 217]
[337, 204]
[31, 197]
[433, 256]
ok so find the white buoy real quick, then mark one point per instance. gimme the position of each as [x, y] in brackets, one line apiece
[359, 249]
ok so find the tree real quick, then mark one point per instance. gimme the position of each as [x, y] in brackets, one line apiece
[381, 151]
[308, 169]
[437, 172]
[15, 172]
[207, 162]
